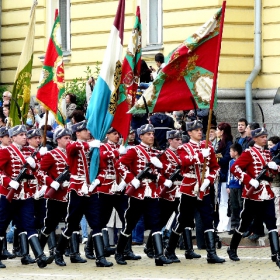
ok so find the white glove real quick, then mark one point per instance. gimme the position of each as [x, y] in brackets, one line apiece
[65, 184]
[255, 183]
[156, 162]
[205, 152]
[121, 186]
[135, 183]
[14, 184]
[42, 190]
[168, 183]
[94, 143]
[31, 162]
[43, 150]
[94, 185]
[204, 185]
[122, 150]
[55, 185]
[272, 165]
[84, 188]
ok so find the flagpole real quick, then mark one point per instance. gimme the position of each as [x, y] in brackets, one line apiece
[214, 85]
[45, 128]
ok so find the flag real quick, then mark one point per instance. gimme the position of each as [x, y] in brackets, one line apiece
[22, 85]
[188, 74]
[103, 102]
[129, 80]
[51, 88]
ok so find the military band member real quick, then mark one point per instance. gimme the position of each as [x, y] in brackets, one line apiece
[192, 157]
[21, 208]
[257, 194]
[82, 201]
[144, 198]
[53, 164]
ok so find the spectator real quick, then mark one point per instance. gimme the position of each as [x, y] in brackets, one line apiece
[89, 88]
[159, 59]
[249, 128]
[70, 100]
[7, 96]
[242, 139]
[234, 188]
[223, 157]
[2, 120]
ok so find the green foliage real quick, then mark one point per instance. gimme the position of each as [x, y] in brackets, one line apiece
[2, 89]
[78, 85]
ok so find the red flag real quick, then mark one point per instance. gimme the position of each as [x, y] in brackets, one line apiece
[129, 80]
[189, 73]
[51, 89]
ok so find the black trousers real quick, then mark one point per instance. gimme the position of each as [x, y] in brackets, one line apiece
[187, 206]
[107, 203]
[40, 212]
[167, 207]
[264, 210]
[55, 212]
[79, 206]
[148, 207]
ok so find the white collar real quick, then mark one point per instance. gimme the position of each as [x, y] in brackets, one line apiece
[145, 145]
[194, 142]
[172, 149]
[258, 147]
[17, 145]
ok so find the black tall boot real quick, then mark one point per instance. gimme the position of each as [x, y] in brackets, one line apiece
[5, 253]
[108, 251]
[189, 253]
[160, 259]
[211, 249]
[171, 247]
[63, 241]
[1, 246]
[128, 253]
[119, 255]
[26, 259]
[274, 246]
[89, 248]
[43, 239]
[232, 249]
[99, 250]
[75, 256]
[149, 249]
[52, 243]
[16, 246]
[42, 260]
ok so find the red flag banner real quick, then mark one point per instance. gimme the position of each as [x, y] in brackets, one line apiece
[188, 73]
[129, 80]
[52, 87]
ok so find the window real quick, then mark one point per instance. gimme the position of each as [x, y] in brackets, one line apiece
[63, 7]
[151, 18]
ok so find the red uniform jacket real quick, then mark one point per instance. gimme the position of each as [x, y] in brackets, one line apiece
[107, 172]
[132, 163]
[247, 167]
[192, 165]
[11, 161]
[169, 166]
[53, 163]
[78, 157]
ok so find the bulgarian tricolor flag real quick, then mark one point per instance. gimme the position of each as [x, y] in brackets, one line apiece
[190, 72]
[22, 85]
[103, 101]
[52, 87]
[129, 81]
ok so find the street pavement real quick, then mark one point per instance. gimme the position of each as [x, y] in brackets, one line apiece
[255, 264]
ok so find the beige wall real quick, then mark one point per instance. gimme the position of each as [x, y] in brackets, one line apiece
[91, 21]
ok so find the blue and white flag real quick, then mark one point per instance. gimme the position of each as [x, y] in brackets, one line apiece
[103, 102]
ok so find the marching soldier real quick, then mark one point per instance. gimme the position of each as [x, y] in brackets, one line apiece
[257, 193]
[21, 207]
[144, 195]
[53, 164]
[81, 200]
[192, 157]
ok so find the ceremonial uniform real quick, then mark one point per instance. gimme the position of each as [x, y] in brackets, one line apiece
[21, 208]
[260, 202]
[81, 201]
[195, 194]
[144, 198]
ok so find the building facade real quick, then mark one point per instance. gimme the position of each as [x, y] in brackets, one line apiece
[86, 25]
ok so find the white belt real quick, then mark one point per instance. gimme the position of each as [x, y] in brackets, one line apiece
[78, 177]
[110, 177]
[146, 181]
[189, 175]
[177, 183]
